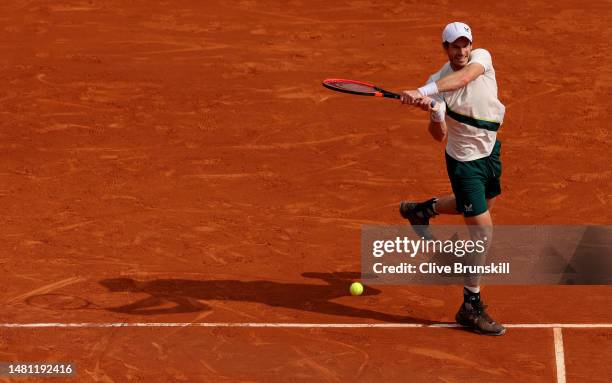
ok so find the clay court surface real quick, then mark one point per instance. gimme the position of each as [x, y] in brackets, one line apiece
[181, 200]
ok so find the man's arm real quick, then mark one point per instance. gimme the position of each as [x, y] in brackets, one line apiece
[437, 126]
[438, 130]
[453, 81]
[460, 78]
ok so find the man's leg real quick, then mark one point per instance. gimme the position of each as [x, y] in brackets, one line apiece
[448, 205]
[481, 229]
[419, 213]
[472, 312]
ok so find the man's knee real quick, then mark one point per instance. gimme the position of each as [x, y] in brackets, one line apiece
[480, 226]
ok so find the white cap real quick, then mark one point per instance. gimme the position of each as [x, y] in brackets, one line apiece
[455, 30]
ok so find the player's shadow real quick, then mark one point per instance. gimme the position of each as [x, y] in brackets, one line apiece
[167, 296]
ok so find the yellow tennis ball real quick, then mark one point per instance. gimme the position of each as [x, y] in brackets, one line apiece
[356, 288]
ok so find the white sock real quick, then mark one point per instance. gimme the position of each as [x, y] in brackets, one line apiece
[474, 290]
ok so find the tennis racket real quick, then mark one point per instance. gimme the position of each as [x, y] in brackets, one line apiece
[360, 88]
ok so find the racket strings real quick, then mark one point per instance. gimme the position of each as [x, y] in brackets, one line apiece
[351, 86]
[355, 87]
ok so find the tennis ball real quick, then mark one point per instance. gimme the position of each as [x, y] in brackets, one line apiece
[356, 288]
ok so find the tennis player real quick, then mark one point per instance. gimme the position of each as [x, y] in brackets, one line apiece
[468, 115]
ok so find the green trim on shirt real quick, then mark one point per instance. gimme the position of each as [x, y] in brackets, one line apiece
[475, 122]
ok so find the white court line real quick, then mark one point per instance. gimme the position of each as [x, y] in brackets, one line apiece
[556, 326]
[559, 355]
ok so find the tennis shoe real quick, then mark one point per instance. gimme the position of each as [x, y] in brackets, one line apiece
[474, 316]
[418, 214]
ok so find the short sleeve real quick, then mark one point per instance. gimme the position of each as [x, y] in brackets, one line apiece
[482, 57]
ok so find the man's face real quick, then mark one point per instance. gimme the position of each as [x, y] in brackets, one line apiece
[459, 52]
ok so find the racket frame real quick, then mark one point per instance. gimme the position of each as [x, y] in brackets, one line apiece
[378, 92]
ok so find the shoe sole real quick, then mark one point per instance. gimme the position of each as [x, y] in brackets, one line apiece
[423, 229]
[481, 332]
[404, 212]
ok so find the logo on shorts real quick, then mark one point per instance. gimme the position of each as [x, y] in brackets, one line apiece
[468, 207]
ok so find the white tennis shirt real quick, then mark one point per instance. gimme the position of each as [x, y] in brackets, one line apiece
[473, 113]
